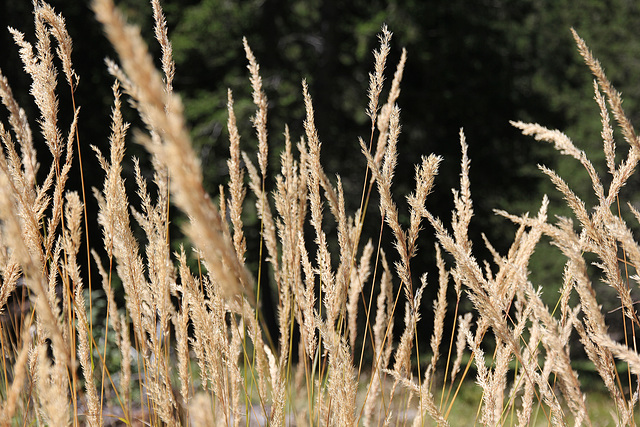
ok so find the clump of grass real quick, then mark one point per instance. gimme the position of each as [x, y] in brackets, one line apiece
[208, 359]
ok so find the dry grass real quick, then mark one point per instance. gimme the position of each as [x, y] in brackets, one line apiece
[193, 349]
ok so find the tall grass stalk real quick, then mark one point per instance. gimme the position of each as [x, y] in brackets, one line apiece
[193, 347]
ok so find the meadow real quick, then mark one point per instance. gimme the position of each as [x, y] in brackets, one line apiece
[189, 346]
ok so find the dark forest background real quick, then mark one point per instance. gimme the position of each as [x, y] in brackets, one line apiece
[471, 64]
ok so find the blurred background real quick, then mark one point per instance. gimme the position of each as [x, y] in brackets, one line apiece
[471, 64]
